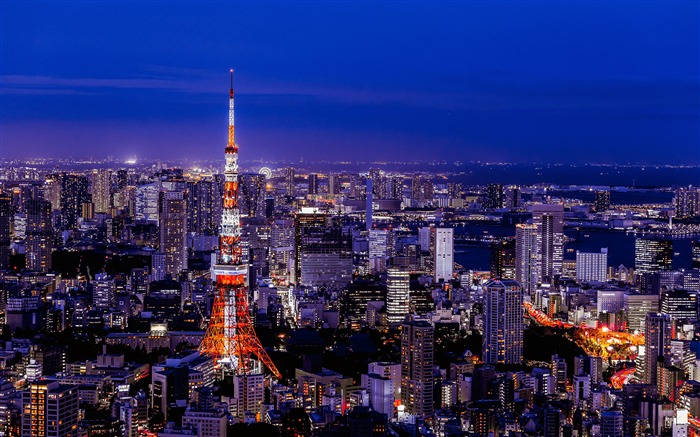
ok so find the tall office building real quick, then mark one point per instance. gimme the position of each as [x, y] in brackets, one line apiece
[323, 255]
[122, 178]
[592, 266]
[495, 197]
[52, 190]
[50, 409]
[395, 188]
[503, 259]
[173, 231]
[380, 243]
[252, 195]
[442, 248]
[421, 189]
[74, 192]
[313, 184]
[527, 265]
[687, 202]
[657, 344]
[549, 219]
[397, 296]
[289, 181]
[503, 323]
[637, 306]
[333, 184]
[6, 216]
[513, 197]
[602, 201]
[679, 304]
[378, 183]
[39, 236]
[101, 190]
[204, 206]
[146, 203]
[417, 356]
[652, 255]
[695, 254]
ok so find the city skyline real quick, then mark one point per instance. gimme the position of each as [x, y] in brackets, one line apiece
[577, 82]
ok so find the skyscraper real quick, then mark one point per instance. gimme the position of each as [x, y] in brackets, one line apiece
[417, 353]
[527, 265]
[379, 249]
[442, 247]
[397, 295]
[652, 255]
[503, 322]
[602, 201]
[204, 206]
[173, 231]
[313, 184]
[39, 236]
[549, 219]
[333, 184]
[657, 344]
[687, 202]
[513, 197]
[503, 259]
[592, 266]
[289, 181]
[146, 203]
[679, 304]
[74, 191]
[252, 195]
[495, 198]
[5, 220]
[101, 190]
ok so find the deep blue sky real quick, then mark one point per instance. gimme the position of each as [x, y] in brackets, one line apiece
[586, 81]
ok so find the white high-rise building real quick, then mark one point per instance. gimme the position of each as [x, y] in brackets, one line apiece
[388, 370]
[591, 266]
[443, 254]
[379, 249]
[527, 257]
[381, 393]
[397, 295]
[249, 392]
[503, 323]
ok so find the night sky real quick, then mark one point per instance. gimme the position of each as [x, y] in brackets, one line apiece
[521, 81]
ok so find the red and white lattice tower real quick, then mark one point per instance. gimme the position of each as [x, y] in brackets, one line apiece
[230, 338]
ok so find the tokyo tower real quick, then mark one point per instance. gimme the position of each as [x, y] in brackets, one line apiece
[230, 338]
